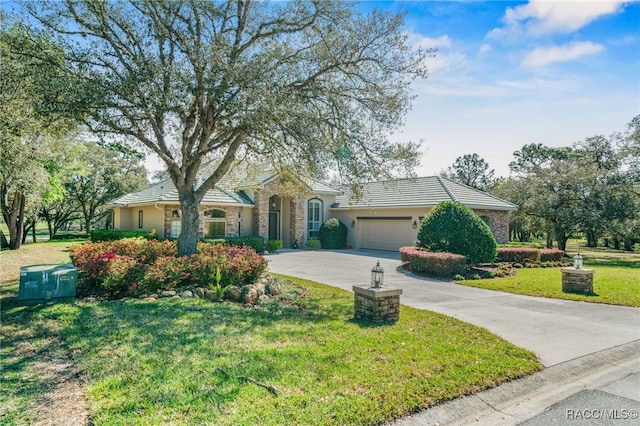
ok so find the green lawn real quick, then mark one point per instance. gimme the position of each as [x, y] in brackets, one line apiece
[616, 278]
[160, 362]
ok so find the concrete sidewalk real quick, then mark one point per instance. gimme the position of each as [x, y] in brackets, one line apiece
[577, 340]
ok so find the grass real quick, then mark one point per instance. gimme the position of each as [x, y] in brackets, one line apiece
[616, 278]
[159, 362]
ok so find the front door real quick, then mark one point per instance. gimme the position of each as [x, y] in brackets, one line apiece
[274, 225]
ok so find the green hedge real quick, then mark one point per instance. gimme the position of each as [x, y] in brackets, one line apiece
[71, 236]
[333, 234]
[98, 235]
[454, 228]
[438, 264]
[254, 241]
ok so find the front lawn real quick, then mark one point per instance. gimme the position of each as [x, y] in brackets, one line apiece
[188, 361]
[616, 279]
[613, 285]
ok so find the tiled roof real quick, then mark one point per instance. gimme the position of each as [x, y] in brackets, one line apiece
[420, 192]
[229, 191]
[165, 192]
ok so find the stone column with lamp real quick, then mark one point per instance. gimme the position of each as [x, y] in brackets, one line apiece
[577, 279]
[376, 303]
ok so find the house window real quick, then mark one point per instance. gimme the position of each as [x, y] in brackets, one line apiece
[215, 223]
[176, 228]
[314, 217]
[140, 218]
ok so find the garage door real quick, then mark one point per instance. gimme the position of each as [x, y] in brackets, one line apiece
[385, 233]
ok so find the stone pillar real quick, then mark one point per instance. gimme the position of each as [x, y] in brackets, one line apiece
[377, 304]
[577, 280]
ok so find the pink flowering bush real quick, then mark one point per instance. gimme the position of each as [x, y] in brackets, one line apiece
[440, 264]
[137, 266]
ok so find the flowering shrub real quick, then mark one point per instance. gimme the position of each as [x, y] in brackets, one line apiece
[439, 264]
[136, 266]
[551, 255]
[522, 255]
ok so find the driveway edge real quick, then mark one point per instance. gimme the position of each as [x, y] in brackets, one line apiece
[522, 399]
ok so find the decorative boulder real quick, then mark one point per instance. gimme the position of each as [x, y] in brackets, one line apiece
[186, 294]
[232, 293]
[249, 294]
[200, 292]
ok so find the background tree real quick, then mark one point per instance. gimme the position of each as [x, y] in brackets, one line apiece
[32, 124]
[471, 170]
[104, 175]
[306, 86]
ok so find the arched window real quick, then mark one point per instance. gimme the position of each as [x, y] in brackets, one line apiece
[215, 223]
[314, 217]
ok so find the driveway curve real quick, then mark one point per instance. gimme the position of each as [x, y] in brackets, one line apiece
[556, 330]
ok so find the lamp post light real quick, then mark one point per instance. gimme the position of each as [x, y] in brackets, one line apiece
[577, 261]
[377, 276]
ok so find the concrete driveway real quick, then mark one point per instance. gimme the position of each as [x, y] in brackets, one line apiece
[591, 350]
[556, 330]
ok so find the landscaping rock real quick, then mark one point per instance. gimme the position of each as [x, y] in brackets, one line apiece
[272, 289]
[263, 298]
[250, 294]
[200, 292]
[186, 294]
[232, 293]
[168, 293]
[210, 295]
[260, 289]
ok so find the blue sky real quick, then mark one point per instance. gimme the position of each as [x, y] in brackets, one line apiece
[508, 74]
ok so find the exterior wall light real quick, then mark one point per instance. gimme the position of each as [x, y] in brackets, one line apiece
[377, 276]
[577, 261]
[353, 223]
[414, 225]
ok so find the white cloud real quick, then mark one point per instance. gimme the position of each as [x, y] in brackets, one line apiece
[424, 42]
[484, 48]
[542, 56]
[539, 17]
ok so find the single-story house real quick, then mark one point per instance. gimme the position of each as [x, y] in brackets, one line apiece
[385, 216]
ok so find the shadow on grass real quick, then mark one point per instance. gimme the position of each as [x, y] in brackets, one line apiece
[135, 337]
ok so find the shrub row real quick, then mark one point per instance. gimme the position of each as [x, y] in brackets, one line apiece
[97, 235]
[71, 236]
[440, 264]
[137, 266]
[253, 241]
[525, 255]
[333, 234]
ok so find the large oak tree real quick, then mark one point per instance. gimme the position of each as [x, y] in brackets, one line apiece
[309, 86]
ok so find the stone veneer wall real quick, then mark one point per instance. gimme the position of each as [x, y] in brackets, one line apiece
[499, 223]
[261, 212]
[231, 229]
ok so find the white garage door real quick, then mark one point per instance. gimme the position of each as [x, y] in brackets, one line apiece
[385, 234]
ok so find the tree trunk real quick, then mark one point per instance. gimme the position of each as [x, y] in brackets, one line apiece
[627, 244]
[549, 240]
[592, 240]
[33, 233]
[15, 220]
[188, 240]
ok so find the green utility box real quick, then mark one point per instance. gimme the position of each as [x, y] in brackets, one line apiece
[41, 283]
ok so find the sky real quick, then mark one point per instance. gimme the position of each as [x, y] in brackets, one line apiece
[508, 74]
